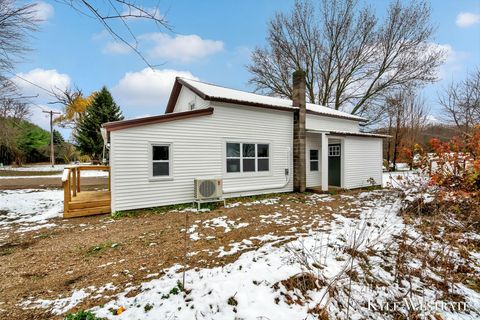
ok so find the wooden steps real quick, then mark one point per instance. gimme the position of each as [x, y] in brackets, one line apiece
[87, 203]
[79, 203]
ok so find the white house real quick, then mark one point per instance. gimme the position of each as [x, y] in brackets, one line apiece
[256, 144]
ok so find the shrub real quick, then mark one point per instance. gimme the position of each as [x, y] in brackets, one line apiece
[84, 158]
[455, 164]
[82, 315]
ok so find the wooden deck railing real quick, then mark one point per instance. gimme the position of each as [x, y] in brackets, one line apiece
[71, 181]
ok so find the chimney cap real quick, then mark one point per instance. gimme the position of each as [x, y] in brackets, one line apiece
[299, 73]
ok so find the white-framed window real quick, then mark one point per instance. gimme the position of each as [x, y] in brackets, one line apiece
[247, 157]
[334, 151]
[161, 158]
[314, 160]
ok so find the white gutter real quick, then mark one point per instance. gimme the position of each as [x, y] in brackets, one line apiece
[266, 187]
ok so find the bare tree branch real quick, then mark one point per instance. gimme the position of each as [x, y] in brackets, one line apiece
[461, 102]
[123, 10]
[352, 60]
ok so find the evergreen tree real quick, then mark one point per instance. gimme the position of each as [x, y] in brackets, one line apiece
[57, 138]
[87, 134]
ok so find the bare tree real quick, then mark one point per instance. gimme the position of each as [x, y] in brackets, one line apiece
[461, 102]
[407, 118]
[352, 61]
[115, 17]
[16, 23]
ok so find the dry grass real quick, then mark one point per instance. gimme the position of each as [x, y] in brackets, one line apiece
[78, 253]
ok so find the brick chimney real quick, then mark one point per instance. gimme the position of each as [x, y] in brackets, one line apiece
[299, 137]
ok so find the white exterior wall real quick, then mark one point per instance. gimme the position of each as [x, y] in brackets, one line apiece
[198, 150]
[322, 123]
[362, 160]
[314, 141]
[185, 97]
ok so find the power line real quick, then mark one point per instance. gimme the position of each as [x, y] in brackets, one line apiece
[49, 92]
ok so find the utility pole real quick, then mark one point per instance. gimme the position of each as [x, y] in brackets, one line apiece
[52, 151]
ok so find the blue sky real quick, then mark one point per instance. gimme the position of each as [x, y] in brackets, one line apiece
[211, 41]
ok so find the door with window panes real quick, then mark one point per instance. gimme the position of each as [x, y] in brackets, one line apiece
[334, 165]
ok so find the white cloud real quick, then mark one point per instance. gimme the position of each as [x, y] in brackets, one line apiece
[181, 48]
[43, 11]
[146, 91]
[453, 60]
[41, 119]
[115, 47]
[467, 19]
[31, 83]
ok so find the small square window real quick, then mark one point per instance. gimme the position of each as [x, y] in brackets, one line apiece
[233, 165]
[161, 169]
[160, 152]
[248, 150]
[263, 165]
[262, 150]
[248, 165]
[233, 150]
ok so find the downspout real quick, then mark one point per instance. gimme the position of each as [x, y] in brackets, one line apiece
[267, 187]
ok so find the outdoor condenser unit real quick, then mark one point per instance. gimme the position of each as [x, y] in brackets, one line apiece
[208, 189]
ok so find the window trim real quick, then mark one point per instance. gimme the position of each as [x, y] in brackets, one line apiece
[151, 177]
[314, 160]
[241, 173]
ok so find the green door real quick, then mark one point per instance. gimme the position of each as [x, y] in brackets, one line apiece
[334, 165]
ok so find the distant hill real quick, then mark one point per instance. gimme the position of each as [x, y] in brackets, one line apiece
[22, 141]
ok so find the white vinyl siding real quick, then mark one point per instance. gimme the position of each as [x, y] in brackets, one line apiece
[314, 122]
[187, 98]
[198, 151]
[362, 161]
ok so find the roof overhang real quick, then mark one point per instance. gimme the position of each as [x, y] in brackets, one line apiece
[179, 82]
[124, 124]
[350, 133]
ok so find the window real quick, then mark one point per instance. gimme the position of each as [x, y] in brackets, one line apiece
[313, 160]
[160, 160]
[247, 157]
[334, 151]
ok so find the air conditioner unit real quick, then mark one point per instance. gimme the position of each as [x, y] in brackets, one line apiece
[208, 189]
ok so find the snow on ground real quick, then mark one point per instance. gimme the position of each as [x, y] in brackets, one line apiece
[42, 168]
[251, 288]
[30, 209]
[59, 176]
[56, 171]
[399, 179]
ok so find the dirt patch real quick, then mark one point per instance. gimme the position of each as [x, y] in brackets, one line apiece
[94, 251]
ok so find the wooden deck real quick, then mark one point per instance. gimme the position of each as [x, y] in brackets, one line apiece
[79, 203]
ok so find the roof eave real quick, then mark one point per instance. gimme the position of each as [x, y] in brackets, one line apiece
[124, 124]
[179, 82]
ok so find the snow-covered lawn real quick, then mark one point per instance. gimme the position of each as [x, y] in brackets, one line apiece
[29, 209]
[55, 170]
[400, 179]
[38, 168]
[350, 258]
